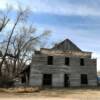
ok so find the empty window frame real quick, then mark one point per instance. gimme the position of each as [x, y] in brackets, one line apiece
[50, 60]
[82, 62]
[84, 79]
[67, 61]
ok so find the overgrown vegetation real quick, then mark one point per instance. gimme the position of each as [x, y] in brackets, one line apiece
[6, 82]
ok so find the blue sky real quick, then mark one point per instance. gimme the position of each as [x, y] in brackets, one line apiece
[78, 20]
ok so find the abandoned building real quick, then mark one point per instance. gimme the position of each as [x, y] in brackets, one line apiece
[63, 65]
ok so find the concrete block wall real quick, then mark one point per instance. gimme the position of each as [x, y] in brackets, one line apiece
[74, 79]
[58, 69]
[35, 79]
[58, 80]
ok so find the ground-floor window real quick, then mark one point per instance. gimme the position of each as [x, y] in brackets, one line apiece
[47, 79]
[66, 80]
[84, 79]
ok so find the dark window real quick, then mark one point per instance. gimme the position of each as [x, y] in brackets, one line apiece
[82, 62]
[66, 80]
[47, 79]
[67, 61]
[84, 79]
[50, 60]
[23, 78]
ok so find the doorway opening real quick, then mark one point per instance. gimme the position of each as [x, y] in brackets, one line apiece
[84, 79]
[47, 80]
[66, 80]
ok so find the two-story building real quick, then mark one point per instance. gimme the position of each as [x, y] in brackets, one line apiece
[63, 65]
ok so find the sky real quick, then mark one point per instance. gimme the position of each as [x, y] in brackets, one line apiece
[77, 20]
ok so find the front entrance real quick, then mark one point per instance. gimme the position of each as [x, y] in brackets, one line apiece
[47, 80]
[66, 80]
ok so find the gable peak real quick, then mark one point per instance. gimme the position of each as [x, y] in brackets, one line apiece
[66, 45]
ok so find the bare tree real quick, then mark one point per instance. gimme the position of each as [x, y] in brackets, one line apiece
[20, 17]
[3, 21]
[20, 43]
[24, 44]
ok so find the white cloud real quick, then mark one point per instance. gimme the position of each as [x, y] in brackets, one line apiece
[63, 9]
[4, 3]
[58, 7]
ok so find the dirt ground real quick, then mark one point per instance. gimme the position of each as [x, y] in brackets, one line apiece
[55, 94]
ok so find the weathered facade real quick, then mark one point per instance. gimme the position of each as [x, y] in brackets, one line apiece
[63, 65]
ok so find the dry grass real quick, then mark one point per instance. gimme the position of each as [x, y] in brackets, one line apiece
[20, 90]
[33, 93]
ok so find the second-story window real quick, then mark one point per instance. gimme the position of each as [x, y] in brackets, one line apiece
[67, 61]
[82, 62]
[50, 60]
